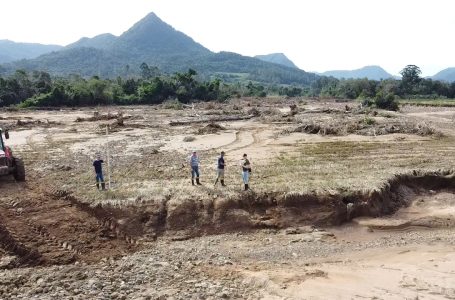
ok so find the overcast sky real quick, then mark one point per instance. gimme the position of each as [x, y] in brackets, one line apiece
[318, 35]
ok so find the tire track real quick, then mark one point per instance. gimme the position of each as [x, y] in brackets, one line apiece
[42, 227]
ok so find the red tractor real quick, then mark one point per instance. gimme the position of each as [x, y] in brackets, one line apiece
[8, 163]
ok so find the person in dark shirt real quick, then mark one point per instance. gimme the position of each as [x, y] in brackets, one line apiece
[220, 169]
[99, 173]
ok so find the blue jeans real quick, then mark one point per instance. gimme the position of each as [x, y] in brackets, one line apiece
[99, 177]
[194, 171]
[245, 176]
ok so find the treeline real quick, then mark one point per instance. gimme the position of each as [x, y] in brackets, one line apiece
[40, 89]
[384, 93]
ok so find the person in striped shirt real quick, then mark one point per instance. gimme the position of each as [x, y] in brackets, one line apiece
[194, 162]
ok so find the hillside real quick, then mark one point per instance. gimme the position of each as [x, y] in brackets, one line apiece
[158, 44]
[277, 58]
[102, 41]
[11, 51]
[445, 75]
[370, 72]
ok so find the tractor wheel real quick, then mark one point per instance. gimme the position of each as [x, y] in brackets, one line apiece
[19, 170]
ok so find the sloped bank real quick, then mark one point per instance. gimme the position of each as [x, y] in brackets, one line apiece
[190, 217]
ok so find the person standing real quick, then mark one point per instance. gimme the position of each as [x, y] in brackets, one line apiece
[246, 171]
[99, 173]
[194, 164]
[220, 169]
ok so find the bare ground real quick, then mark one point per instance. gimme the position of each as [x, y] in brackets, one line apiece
[156, 237]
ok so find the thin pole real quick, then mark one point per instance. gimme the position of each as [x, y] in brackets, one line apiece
[108, 159]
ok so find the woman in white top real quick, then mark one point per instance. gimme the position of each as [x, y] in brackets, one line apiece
[246, 170]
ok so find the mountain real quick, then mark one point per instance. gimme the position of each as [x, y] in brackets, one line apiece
[102, 41]
[158, 44]
[445, 75]
[277, 58]
[11, 51]
[152, 34]
[370, 72]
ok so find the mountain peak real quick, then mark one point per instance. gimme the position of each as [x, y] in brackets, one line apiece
[371, 72]
[447, 75]
[150, 19]
[154, 35]
[11, 51]
[277, 58]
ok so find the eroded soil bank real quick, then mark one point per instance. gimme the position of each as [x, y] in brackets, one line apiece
[190, 218]
[93, 233]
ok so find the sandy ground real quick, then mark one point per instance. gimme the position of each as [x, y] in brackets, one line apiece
[396, 273]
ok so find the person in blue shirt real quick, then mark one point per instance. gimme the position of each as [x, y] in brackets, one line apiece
[99, 173]
[220, 169]
[194, 164]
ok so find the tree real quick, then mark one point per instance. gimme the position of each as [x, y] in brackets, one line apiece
[410, 78]
[146, 73]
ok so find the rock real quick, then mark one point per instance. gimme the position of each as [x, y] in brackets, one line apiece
[308, 238]
[299, 230]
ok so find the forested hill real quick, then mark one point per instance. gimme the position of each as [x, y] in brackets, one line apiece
[11, 51]
[277, 58]
[370, 72]
[157, 44]
[447, 75]
[102, 41]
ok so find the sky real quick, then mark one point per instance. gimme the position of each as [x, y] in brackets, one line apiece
[317, 35]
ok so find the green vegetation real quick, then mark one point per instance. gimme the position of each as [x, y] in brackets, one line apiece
[38, 88]
[155, 43]
[387, 93]
[428, 102]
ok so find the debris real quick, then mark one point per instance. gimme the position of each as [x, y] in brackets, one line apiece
[210, 128]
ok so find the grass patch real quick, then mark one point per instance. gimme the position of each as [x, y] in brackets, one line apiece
[351, 166]
[428, 102]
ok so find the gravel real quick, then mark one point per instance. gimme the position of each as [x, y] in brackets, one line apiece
[208, 267]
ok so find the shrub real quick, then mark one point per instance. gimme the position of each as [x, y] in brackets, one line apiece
[386, 102]
[367, 102]
[369, 121]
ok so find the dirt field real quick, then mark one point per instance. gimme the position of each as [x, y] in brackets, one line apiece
[345, 203]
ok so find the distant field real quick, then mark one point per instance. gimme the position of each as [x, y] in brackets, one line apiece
[429, 102]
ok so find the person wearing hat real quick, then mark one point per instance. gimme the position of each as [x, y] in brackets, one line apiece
[220, 169]
[246, 171]
[194, 164]
[99, 172]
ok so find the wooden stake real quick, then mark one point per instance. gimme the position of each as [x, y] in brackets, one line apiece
[108, 159]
